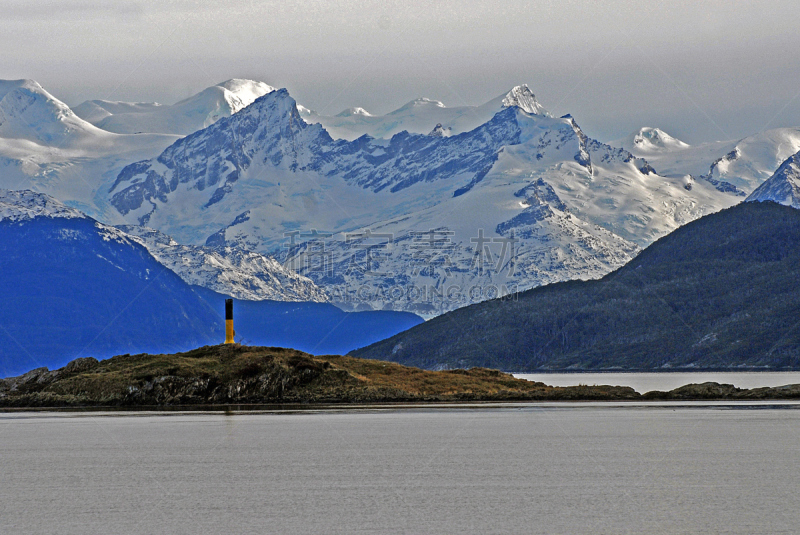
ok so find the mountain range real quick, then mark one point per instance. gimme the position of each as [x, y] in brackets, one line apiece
[402, 216]
[425, 209]
[46, 146]
[737, 166]
[422, 116]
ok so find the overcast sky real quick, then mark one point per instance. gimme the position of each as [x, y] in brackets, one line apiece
[700, 70]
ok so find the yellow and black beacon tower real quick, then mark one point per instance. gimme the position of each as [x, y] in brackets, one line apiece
[229, 332]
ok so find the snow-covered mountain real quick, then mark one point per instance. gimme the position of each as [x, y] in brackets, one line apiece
[782, 187]
[754, 159]
[521, 200]
[29, 113]
[228, 270]
[738, 167]
[432, 204]
[648, 141]
[182, 118]
[422, 115]
[46, 147]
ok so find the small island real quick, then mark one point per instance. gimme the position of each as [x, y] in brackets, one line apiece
[232, 374]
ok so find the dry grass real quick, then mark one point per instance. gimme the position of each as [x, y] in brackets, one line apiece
[240, 374]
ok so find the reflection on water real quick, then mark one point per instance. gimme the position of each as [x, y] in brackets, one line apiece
[544, 468]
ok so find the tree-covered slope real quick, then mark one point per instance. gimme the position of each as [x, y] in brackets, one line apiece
[719, 292]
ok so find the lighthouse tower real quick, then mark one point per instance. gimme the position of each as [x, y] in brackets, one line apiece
[229, 332]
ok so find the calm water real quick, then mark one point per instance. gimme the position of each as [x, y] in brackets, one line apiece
[645, 382]
[535, 468]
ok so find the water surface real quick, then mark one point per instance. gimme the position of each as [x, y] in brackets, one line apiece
[543, 468]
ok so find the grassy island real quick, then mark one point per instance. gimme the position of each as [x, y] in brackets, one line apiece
[242, 375]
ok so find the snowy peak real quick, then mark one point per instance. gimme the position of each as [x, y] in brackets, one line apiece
[223, 100]
[17, 206]
[418, 104]
[241, 93]
[305, 112]
[272, 125]
[783, 187]
[94, 111]
[350, 112]
[6, 86]
[650, 140]
[523, 98]
[754, 159]
[29, 112]
[273, 112]
[187, 116]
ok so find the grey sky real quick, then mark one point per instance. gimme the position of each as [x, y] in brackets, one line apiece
[700, 70]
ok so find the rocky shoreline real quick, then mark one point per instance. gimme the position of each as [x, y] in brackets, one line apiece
[241, 375]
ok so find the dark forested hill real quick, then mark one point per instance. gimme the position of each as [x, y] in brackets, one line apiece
[719, 292]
